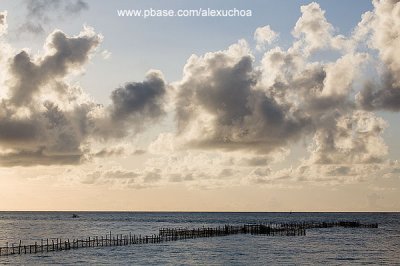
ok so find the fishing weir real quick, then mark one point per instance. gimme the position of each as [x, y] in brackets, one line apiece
[174, 234]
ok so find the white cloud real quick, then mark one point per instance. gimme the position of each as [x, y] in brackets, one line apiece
[264, 36]
[312, 28]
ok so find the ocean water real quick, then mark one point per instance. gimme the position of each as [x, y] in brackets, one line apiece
[332, 246]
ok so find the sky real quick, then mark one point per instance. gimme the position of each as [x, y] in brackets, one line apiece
[291, 108]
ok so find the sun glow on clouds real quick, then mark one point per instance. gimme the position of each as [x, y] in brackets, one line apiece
[234, 117]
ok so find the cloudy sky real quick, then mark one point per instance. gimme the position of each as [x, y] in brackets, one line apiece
[295, 108]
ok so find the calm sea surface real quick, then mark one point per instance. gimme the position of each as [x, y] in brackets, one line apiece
[333, 246]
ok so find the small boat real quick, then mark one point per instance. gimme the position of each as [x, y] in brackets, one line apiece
[75, 215]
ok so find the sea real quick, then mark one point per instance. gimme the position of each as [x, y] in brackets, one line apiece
[323, 246]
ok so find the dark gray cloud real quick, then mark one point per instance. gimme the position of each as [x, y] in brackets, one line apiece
[2, 18]
[14, 131]
[49, 133]
[67, 54]
[41, 12]
[384, 96]
[143, 98]
[107, 152]
[133, 106]
[39, 157]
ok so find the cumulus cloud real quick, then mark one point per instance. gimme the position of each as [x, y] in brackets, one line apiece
[219, 105]
[47, 133]
[264, 36]
[40, 130]
[313, 28]
[386, 37]
[384, 23]
[41, 12]
[356, 138]
[44, 120]
[64, 54]
[341, 74]
[351, 150]
[224, 102]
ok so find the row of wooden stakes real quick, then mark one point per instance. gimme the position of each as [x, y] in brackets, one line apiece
[174, 234]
